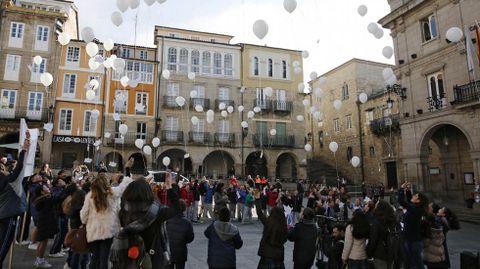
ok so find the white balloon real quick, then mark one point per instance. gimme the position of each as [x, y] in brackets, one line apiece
[166, 161]
[147, 150]
[387, 73]
[391, 80]
[290, 5]
[372, 28]
[161, 1]
[113, 57]
[379, 33]
[273, 132]
[64, 38]
[268, 91]
[116, 18]
[193, 94]
[87, 34]
[300, 118]
[301, 87]
[362, 10]
[133, 83]
[387, 52]
[46, 79]
[363, 97]
[195, 120]
[257, 109]
[244, 124]
[322, 81]
[93, 84]
[122, 5]
[296, 63]
[337, 104]
[313, 109]
[123, 129]
[355, 161]
[199, 108]
[90, 95]
[134, 4]
[124, 81]
[230, 109]
[210, 119]
[221, 106]
[139, 143]
[150, 2]
[121, 96]
[297, 70]
[108, 44]
[224, 114]
[306, 102]
[191, 76]
[454, 34]
[318, 92]
[37, 60]
[317, 115]
[112, 164]
[305, 54]
[155, 142]
[166, 74]
[92, 49]
[308, 147]
[241, 108]
[260, 28]
[313, 75]
[95, 113]
[186, 156]
[119, 64]
[180, 101]
[92, 64]
[108, 63]
[210, 113]
[250, 114]
[333, 146]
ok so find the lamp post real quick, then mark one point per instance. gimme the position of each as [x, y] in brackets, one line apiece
[244, 135]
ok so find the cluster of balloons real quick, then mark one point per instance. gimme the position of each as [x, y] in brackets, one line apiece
[376, 31]
[389, 76]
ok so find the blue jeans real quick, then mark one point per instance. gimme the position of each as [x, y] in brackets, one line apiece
[100, 250]
[413, 255]
[60, 236]
[7, 231]
[77, 260]
[357, 264]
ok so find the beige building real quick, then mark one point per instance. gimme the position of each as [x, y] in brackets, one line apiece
[439, 117]
[28, 29]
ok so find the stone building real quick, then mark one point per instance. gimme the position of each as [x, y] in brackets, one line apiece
[439, 117]
[28, 29]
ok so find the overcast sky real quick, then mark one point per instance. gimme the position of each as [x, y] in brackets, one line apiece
[331, 30]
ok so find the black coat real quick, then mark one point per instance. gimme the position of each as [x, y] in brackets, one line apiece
[333, 248]
[47, 225]
[297, 203]
[266, 249]
[180, 233]
[413, 217]
[376, 247]
[305, 236]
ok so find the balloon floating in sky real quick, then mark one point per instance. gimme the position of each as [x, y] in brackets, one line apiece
[305, 54]
[108, 44]
[63, 38]
[260, 28]
[362, 10]
[387, 52]
[150, 2]
[122, 5]
[117, 19]
[166, 74]
[333, 146]
[363, 97]
[313, 75]
[87, 34]
[355, 161]
[290, 5]
[337, 104]
[46, 79]
[92, 49]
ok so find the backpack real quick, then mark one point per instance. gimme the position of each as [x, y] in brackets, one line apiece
[393, 243]
[129, 252]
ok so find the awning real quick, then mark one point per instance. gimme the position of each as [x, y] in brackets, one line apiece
[10, 146]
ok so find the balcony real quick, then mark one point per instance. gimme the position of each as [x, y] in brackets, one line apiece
[287, 141]
[385, 125]
[265, 105]
[172, 137]
[128, 139]
[170, 102]
[226, 102]
[467, 93]
[205, 103]
[198, 138]
[224, 139]
[18, 112]
[282, 107]
[435, 103]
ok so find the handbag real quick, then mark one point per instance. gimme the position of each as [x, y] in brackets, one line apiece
[76, 240]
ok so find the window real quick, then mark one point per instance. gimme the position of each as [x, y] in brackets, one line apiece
[336, 125]
[140, 71]
[12, 68]
[223, 130]
[66, 120]
[262, 128]
[125, 53]
[35, 101]
[97, 90]
[206, 62]
[429, 28]
[42, 33]
[173, 89]
[261, 98]
[69, 85]
[255, 66]
[121, 106]
[183, 61]
[143, 55]
[195, 61]
[223, 94]
[37, 70]
[73, 54]
[141, 130]
[212, 40]
[228, 65]
[172, 35]
[141, 99]
[270, 67]
[281, 128]
[349, 153]
[90, 123]
[9, 100]
[200, 89]
[348, 121]
[345, 91]
[199, 131]
[372, 151]
[16, 34]
[435, 86]
[284, 69]
[172, 59]
[217, 63]
[320, 139]
[171, 124]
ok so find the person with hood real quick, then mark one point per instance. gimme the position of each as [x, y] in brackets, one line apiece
[303, 234]
[180, 233]
[223, 239]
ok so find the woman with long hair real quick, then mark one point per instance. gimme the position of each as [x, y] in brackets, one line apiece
[100, 215]
[275, 232]
[220, 198]
[356, 234]
[76, 260]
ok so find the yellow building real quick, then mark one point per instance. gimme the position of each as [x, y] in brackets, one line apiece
[77, 120]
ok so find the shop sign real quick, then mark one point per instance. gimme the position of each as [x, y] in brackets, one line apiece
[73, 139]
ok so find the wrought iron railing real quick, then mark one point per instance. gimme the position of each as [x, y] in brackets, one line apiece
[172, 137]
[435, 103]
[199, 138]
[467, 93]
[273, 141]
[224, 139]
[170, 102]
[385, 125]
[265, 105]
[26, 112]
[205, 103]
[282, 106]
[226, 102]
[128, 139]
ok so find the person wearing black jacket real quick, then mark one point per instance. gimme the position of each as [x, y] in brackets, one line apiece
[76, 260]
[297, 206]
[415, 206]
[304, 235]
[232, 200]
[333, 248]
[180, 233]
[57, 190]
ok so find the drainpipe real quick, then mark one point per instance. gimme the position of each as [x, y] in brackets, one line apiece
[361, 139]
[158, 90]
[242, 131]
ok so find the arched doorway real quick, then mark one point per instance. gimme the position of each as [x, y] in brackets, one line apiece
[256, 164]
[286, 167]
[114, 158]
[447, 164]
[177, 161]
[139, 165]
[218, 164]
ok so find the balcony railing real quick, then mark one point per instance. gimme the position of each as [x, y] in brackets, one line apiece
[172, 137]
[435, 103]
[226, 102]
[282, 106]
[224, 139]
[205, 103]
[467, 93]
[265, 105]
[128, 139]
[19, 112]
[275, 141]
[199, 138]
[384, 125]
[170, 102]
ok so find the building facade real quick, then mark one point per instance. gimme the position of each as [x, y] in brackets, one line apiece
[439, 117]
[28, 29]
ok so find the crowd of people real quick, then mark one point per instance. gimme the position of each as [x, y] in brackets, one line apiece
[141, 223]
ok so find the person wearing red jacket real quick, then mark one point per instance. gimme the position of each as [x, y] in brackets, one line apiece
[187, 195]
[272, 197]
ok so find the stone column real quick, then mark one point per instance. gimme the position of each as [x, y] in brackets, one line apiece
[272, 170]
